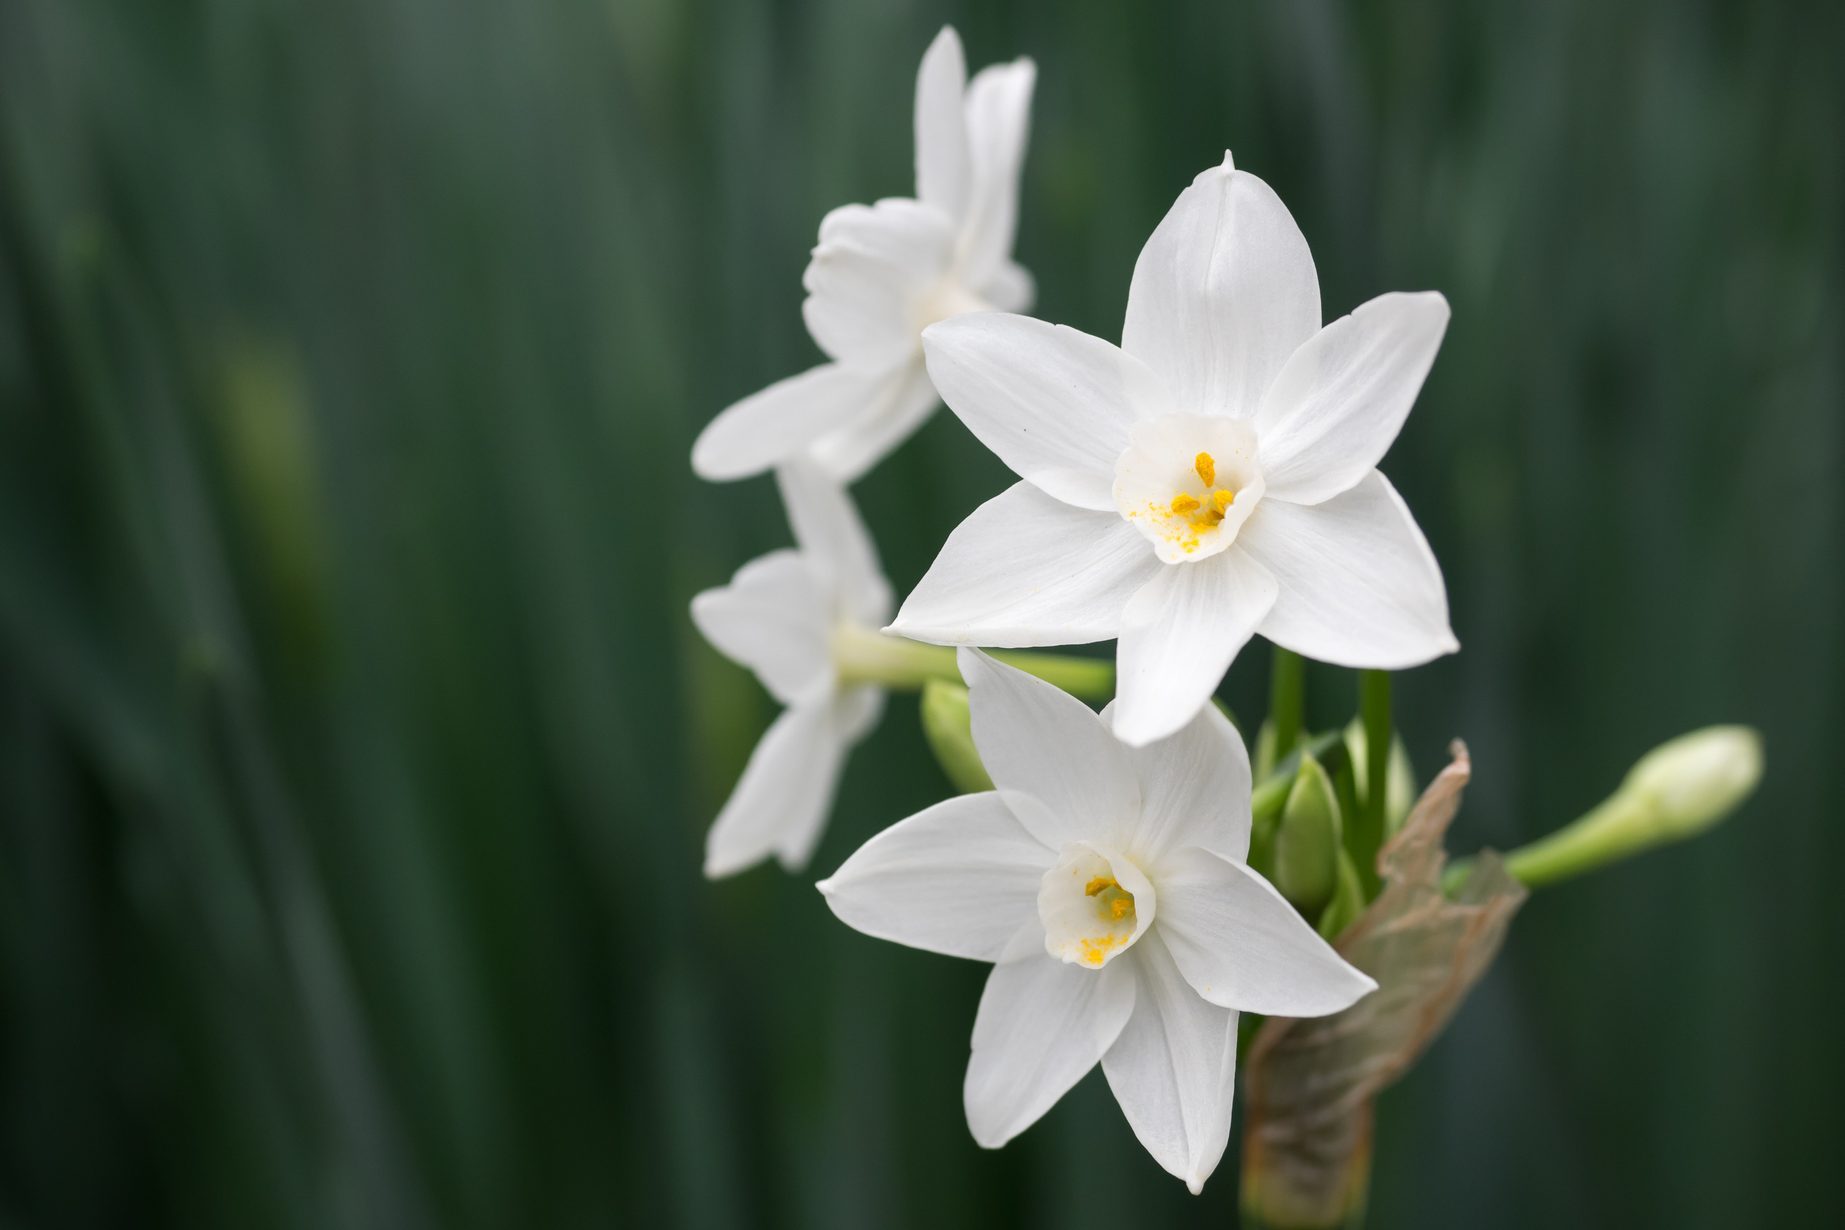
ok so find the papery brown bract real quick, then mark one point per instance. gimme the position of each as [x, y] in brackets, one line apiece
[1309, 1085]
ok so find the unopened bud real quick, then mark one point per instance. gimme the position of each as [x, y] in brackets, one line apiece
[1697, 779]
[947, 725]
[1307, 842]
[1675, 791]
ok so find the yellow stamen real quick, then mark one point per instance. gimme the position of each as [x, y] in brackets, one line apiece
[1121, 906]
[1206, 466]
[1223, 499]
[1098, 884]
[1183, 503]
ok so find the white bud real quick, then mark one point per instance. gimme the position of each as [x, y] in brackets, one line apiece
[1695, 780]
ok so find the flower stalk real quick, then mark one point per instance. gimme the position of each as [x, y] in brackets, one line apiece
[1374, 714]
[1287, 699]
[1677, 790]
[862, 656]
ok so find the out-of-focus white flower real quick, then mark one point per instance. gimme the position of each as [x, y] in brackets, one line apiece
[779, 616]
[1213, 477]
[1107, 884]
[884, 272]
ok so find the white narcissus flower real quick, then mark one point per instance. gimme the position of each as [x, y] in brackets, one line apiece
[1213, 477]
[884, 272]
[779, 616]
[1107, 884]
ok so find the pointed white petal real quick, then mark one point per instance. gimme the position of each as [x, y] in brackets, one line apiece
[1041, 1026]
[998, 120]
[1359, 585]
[1051, 402]
[1223, 293]
[1179, 634]
[1173, 1069]
[866, 439]
[1009, 289]
[941, 128]
[1194, 789]
[1026, 569]
[776, 618]
[959, 878]
[856, 710]
[770, 426]
[1038, 740]
[1342, 397]
[781, 801]
[868, 277]
[1241, 945]
[833, 538]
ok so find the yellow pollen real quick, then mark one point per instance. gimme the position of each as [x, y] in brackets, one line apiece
[1206, 465]
[1121, 907]
[1098, 884]
[1223, 499]
[1183, 503]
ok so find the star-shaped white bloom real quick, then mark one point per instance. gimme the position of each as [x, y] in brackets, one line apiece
[779, 616]
[1213, 477]
[1107, 884]
[884, 272]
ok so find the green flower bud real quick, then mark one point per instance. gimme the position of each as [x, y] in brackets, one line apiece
[946, 724]
[1697, 779]
[1399, 779]
[1308, 842]
[1348, 900]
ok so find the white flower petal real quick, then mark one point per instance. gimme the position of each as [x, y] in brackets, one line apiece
[1009, 288]
[959, 878]
[1241, 945]
[776, 618]
[864, 440]
[774, 424]
[1038, 740]
[1194, 789]
[780, 803]
[1041, 1026]
[833, 538]
[1051, 402]
[1179, 634]
[1359, 585]
[869, 277]
[1173, 1069]
[998, 120]
[1223, 293]
[856, 710]
[1342, 397]
[941, 125]
[1026, 569]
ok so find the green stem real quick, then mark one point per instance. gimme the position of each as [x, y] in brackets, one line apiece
[1374, 711]
[865, 656]
[1287, 699]
[1674, 792]
[1365, 836]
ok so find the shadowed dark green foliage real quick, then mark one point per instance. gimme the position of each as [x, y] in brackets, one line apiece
[356, 751]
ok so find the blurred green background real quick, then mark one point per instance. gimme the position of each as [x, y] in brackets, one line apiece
[356, 750]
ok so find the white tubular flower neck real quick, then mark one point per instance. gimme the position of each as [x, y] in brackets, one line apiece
[1189, 482]
[1094, 904]
[948, 298]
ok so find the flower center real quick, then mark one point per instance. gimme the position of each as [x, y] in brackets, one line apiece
[1188, 483]
[1094, 904]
